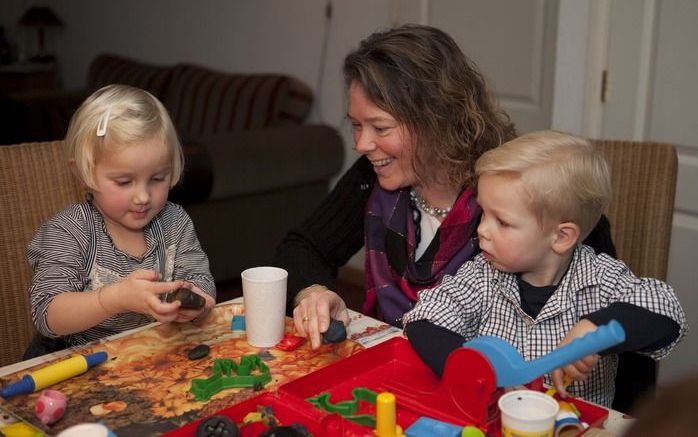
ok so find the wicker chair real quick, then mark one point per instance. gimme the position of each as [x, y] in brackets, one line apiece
[643, 178]
[35, 183]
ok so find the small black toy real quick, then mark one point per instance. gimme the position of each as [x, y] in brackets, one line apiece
[199, 352]
[335, 333]
[216, 426]
[189, 299]
[295, 430]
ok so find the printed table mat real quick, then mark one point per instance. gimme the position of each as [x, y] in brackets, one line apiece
[144, 387]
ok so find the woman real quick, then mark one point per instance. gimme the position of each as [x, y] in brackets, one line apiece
[421, 115]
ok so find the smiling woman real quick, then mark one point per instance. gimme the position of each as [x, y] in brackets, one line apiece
[421, 115]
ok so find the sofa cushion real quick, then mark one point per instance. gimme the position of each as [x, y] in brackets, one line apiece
[262, 160]
[107, 69]
[206, 102]
[197, 176]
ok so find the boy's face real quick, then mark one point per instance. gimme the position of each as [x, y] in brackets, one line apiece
[132, 184]
[510, 236]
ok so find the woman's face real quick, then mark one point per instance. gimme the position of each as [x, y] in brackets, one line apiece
[384, 141]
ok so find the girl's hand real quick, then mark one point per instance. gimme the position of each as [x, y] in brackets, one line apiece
[313, 312]
[185, 315]
[140, 292]
[580, 369]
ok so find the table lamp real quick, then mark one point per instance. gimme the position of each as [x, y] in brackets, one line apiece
[40, 17]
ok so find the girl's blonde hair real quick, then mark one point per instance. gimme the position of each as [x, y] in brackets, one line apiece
[563, 176]
[115, 116]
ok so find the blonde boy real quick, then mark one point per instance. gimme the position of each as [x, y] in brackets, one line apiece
[534, 284]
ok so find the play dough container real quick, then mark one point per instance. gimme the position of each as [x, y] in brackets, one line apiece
[528, 413]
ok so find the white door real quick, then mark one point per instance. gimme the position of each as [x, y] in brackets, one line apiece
[651, 60]
[511, 41]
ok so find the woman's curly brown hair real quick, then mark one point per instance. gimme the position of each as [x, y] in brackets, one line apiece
[419, 75]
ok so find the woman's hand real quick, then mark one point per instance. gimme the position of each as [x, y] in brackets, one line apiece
[580, 369]
[140, 292]
[316, 305]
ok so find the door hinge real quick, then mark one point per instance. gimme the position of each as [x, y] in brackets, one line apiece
[604, 85]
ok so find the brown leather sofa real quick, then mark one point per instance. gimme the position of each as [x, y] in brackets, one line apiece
[253, 168]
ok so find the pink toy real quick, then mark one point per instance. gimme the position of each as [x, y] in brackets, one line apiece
[50, 406]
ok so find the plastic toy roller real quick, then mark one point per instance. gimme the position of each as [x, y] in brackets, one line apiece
[511, 369]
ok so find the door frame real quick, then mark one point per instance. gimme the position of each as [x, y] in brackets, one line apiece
[584, 43]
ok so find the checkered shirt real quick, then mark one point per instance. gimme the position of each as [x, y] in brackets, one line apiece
[480, 300]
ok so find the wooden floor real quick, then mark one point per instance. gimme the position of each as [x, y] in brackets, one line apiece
[352, 294]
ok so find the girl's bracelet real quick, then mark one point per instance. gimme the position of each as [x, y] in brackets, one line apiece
[99, 299]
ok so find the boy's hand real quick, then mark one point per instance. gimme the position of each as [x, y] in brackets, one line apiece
[186, 315]
[578, 370]
[140, 292]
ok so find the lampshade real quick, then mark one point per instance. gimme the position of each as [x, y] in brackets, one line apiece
[40, 16]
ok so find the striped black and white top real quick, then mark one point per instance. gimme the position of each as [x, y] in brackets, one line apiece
[73, 252]
[480, 300]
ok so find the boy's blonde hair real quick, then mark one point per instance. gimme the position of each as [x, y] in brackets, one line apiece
[564, 177]
[115, 116]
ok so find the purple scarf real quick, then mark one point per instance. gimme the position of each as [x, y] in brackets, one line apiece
[393, 277]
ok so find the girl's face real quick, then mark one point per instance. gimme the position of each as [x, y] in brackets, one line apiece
[132, 184]
[384, 141]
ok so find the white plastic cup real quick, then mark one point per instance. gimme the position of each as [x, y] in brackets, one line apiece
[528, 413]
[264, 294]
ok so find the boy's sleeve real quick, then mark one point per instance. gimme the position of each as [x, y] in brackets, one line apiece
[58, 262]
[433, 343]
[645, 331]
[191, 262]
[454, 304]
[620, 285]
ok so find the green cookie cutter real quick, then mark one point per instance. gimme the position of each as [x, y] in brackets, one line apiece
[223, 377]
[348, 409]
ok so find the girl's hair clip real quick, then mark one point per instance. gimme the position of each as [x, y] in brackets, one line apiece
[102, 125]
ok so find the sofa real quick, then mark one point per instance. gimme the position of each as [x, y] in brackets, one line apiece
[253, 168]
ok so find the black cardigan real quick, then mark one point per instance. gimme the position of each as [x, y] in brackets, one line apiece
[313, 252]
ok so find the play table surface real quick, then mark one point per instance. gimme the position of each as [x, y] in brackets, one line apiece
[143, 389]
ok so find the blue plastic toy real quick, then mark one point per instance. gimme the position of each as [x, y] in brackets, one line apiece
[428, 427]
[237, 323]
[511, 369]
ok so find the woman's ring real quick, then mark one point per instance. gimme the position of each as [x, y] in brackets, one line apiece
[305, 319]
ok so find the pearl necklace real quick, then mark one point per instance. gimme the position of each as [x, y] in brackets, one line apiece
[424, 206]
